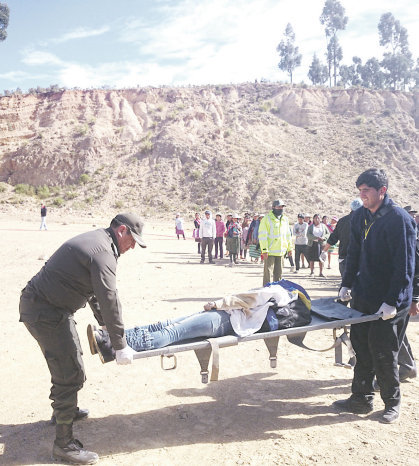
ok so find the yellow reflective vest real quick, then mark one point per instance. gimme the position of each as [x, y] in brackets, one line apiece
[275, 235]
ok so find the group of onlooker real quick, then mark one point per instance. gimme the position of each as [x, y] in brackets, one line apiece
[237, 235]
[240, 234]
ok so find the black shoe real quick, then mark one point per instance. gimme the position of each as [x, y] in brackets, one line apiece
[80, 414]
[351, 406]
[211, 262]
[99, 342]
[391, 415]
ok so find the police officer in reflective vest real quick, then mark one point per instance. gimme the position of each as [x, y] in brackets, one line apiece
[275, 241]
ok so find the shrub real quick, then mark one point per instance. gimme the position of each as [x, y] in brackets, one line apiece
[119, 204]
[70, 195]
[84, 178]
[81, 130]
[26, 189]
[147, 146]
[196, 175]
[58, 201]
[2, 187]
[265, 107]
[359, 120]
[43, 192]
[227, 133]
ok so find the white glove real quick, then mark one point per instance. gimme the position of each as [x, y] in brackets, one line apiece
[345, 294]
[323, 256]
[125, 355]
[387, 311]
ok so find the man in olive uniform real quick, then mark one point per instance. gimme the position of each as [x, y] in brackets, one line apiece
[82, 270]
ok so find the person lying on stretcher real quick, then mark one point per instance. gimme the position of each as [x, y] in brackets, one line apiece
[279, 305]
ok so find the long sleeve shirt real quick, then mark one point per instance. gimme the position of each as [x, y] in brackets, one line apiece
[380, 262]
[220, 228]
[82, 270]
[207, 228]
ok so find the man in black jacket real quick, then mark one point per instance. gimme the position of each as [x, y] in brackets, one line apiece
[379, 272]
[82, 270]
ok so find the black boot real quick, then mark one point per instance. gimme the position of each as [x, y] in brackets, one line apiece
[100, 343]
[70, 449]
[80, 414]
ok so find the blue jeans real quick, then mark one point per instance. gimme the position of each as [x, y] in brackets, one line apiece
[208, 324]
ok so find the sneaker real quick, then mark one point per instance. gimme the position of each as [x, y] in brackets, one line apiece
[292, 269]
[311, 274]
[230, 264]
[352, 406]
[295, 271]
[201, 262]
[391, 415]
[74, 452]
[328, 267]
[321, 275]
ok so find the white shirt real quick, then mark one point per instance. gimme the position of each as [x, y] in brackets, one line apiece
[207, 228]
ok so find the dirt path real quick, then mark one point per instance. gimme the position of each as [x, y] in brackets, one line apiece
[143, 415]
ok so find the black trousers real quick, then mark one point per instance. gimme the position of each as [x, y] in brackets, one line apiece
[206, 242]
[219, 246]
[57, 337]
[300, 249]
[377, 346]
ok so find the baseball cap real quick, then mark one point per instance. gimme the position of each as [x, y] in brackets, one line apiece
[300, 216]
[356, 204]
[278, 202]
[135, 224]
[208, 212]
[409, 209]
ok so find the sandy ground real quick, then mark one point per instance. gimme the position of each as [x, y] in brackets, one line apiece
[143, 415]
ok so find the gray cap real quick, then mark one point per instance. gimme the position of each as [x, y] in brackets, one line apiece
[208, 212]
[356, 204]
[135, 224]
[277, 202]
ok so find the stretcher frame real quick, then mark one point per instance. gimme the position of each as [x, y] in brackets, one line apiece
[205, 348]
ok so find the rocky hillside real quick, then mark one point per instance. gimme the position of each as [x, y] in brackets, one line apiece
[230, 147]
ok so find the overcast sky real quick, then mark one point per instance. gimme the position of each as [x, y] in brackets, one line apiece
[125, 43]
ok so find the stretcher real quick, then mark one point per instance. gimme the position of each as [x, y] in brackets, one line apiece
[326, 314]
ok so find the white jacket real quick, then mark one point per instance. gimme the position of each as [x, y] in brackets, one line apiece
[207, 228]
[248, 310]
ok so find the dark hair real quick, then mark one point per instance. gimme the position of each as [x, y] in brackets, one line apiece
[373, 178]
[316, 215]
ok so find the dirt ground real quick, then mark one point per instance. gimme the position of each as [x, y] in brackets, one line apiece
[142, 415]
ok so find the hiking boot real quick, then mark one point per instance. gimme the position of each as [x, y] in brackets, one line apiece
[74, 452]
[352, 406]
[100, 343]
[80, 414]
[70, 449]
[391, 415]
